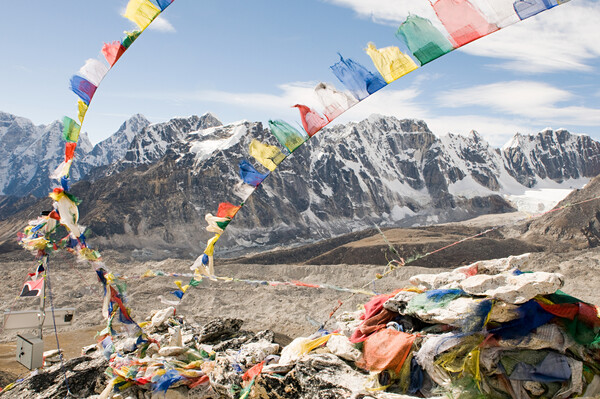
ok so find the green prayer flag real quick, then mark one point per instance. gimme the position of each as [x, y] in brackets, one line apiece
[71, 130]
[287, 135]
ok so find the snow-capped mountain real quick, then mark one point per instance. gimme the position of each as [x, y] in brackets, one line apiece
[551, 155]
[151, 144]
[381, 171]
[30, 153]
[115, 147]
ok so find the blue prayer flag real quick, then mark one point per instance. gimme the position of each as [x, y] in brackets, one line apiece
[250, 175]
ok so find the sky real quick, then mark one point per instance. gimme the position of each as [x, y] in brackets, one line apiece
[253, 60]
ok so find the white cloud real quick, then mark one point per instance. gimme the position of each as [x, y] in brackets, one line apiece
[389, 12]
[526, 99]
[161, 24]
[563, 38]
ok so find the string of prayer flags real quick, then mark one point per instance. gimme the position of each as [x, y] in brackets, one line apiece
[359, 80]
[83, 88]
[267, 155]
[334, 102]
[250, 175]
[71, 130]
[390, 62]
[311, 120]
[32, 288]
[113, 51]
[141, 12]
[93, 71]
[423, 39]
[287, 135]
[463, 22]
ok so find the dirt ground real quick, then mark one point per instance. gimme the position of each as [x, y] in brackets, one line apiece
[288, 310]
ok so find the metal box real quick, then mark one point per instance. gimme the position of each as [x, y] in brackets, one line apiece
[30, 351]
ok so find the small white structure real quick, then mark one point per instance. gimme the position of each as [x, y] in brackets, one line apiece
[30, 350]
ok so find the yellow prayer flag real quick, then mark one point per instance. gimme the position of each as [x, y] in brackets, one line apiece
[269, 156]
[81, 110]
[210, 245]
[391, 62]
[142, 12]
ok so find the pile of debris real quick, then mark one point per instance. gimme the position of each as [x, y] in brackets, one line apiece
[487, 330]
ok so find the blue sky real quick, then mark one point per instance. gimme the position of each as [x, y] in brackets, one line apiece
[253, 60]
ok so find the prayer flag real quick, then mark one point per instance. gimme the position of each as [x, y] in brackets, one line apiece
[497, 12]
[210, 245]
[93, 71]
[335, 102]
[359, 80]
[269, 156]
[32, 287]
[287, 135]
[250, 175]
[423, 39]
[129, 38]
[529, 8]
[391, 62]
[463, 22]
[164, 3]
[81, 110]
[83, 88]
[71, 130]
[141, 12]
[112, 52]
[70, 151]
[227, 210]
[311, 120]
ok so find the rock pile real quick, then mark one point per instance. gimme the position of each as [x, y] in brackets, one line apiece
[487, 330]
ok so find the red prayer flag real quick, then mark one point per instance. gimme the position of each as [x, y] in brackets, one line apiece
[227, 210]
[32, 288]
[387, 349]
[311, 120]
[113, 51]
[70, 151]
[253, 372]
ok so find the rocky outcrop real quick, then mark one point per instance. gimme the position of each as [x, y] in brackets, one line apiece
[84, 378]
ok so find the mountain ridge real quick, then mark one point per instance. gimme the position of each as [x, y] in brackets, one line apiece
[382, 170]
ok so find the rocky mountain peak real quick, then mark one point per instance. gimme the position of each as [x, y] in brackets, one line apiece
[209, 120]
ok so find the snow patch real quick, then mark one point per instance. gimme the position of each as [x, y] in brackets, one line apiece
[400, 212]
